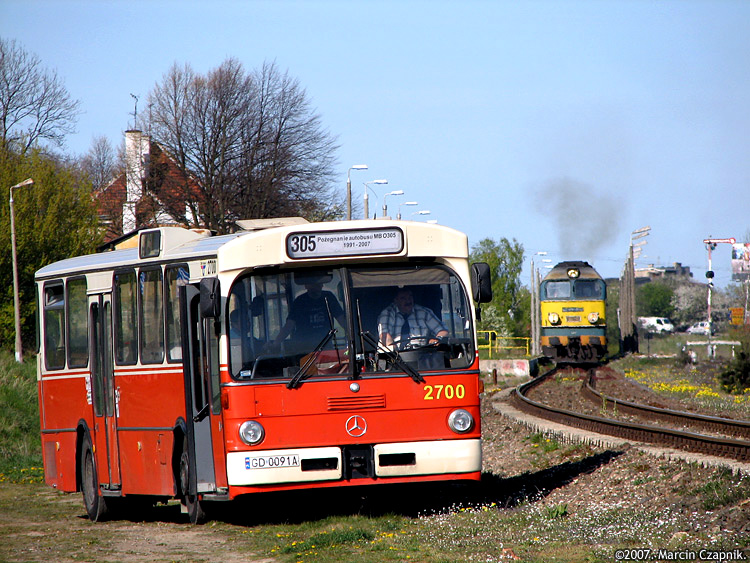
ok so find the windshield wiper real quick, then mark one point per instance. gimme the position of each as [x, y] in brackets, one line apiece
[302, 373]
[393, 355]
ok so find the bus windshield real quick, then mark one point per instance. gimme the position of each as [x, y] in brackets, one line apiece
[349, 322]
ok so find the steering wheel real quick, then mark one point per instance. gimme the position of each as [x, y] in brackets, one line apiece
[408, 343]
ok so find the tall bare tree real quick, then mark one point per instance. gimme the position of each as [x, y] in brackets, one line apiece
[101, 163]
[35, 106]
[251, 140]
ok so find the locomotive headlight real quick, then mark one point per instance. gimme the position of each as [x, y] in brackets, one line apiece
[252, 432]
[593, 317]
[461, 421]
[553, 318]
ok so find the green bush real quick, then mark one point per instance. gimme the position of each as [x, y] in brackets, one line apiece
[736, 377]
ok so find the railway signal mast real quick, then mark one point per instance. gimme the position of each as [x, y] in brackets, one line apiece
[710, 246]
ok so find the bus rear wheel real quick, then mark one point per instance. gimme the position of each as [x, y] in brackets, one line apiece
[96, 504]
[195, 510]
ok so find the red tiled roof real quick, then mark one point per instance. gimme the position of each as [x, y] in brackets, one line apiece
[166, 190]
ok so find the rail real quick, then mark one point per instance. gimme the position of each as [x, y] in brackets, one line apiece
[497, 343]
[713, 445]
[712, 423]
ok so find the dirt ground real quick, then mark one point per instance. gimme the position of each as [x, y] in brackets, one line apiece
[40, 524]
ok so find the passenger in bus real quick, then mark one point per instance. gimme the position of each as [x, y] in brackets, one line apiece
[308, 321]
[403, 322]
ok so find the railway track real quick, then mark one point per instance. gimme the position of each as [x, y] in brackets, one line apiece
[733, 448]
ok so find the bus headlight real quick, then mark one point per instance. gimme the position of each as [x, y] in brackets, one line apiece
[461, 421]
[593, 317]
[252, 432]
[553, 318]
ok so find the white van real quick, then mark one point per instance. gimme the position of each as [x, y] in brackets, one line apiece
[656, 324]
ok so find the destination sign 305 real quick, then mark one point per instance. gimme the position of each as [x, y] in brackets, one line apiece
[388, 240]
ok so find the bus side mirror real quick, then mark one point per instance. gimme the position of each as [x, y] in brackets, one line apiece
[481, 282]
[210, 298]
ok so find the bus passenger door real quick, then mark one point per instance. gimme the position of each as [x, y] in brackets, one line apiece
[105, 394]
[198, 392]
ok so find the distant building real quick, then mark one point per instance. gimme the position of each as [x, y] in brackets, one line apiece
[153, 191]
[654, 273]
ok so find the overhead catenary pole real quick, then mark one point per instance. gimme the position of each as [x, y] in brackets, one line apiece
[631, 306]
[538, 313]
[532, 314]
[627, 317]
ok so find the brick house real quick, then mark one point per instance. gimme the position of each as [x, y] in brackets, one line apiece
[152, 191]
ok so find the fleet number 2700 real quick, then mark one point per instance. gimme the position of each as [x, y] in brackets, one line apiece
[433, 392]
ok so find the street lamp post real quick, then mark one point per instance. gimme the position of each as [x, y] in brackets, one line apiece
[349, 188]
[385, 207]
[422, 212]
[367, 202]
[405, 203]
[16, 305]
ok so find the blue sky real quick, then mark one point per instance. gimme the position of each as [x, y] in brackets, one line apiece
[564, 125]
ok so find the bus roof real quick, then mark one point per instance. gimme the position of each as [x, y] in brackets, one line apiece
[267, 247]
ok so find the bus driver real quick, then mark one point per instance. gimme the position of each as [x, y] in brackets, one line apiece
[403, 321]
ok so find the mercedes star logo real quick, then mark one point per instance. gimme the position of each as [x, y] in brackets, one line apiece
[356, 426]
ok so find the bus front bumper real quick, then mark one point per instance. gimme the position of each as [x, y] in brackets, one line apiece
[303, 465]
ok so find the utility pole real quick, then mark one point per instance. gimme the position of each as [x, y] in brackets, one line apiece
[534, 305]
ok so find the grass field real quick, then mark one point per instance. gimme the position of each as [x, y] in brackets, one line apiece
[20, 449]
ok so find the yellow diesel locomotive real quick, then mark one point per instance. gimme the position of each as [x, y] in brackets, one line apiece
[572, 298]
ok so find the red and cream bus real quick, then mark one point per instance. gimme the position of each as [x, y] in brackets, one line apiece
[203, 367]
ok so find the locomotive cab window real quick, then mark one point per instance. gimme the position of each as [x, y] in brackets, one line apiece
[589, 289]
[557, 289]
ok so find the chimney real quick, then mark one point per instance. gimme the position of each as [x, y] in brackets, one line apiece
[136, 159]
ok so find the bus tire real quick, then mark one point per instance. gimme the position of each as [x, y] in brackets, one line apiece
[95, 503]
[195, 509]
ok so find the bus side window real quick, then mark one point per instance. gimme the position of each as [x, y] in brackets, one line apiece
[78, 328]
[151, 316]
[126, 321]
[174, 278]
[54, 325]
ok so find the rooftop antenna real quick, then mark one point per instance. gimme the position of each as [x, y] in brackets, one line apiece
[135, 111]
